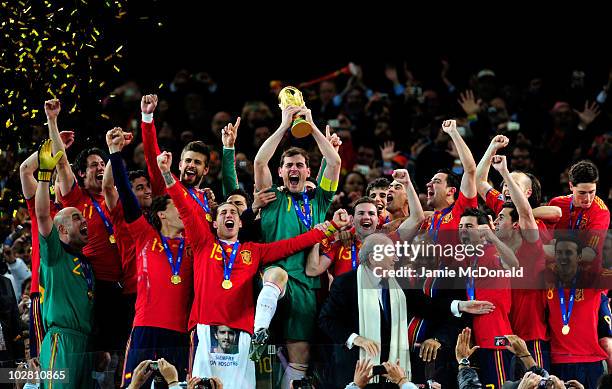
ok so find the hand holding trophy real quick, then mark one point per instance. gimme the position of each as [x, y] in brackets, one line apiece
[291, 96]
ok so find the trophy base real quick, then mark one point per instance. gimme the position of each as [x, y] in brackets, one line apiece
[301, 128]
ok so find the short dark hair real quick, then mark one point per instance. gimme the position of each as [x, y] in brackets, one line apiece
[452, 180]
[480, 215]
[380, 182]
[215, 210]
[567, 236]
[159, 204]
[134, 174]
[197, 146]
[80, 162]
[363, 200]
[242, 193]
[293, 151]
[514, 216]
[583, 172]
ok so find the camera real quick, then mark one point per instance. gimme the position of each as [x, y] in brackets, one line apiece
[205, 383]
[379, 370]
[501, 341]
[304, 383]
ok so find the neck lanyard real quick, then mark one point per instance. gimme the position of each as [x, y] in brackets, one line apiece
[174, 265]
[470, 281]
[434, 230]
[204, 205]
[306, 218]
[354, 253]
[228, 264]
[566, 313]
[107, 224]
[578, 219]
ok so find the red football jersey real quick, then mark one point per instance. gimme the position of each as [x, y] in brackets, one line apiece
[495, 201]
[159, 302]
[54, 209]
[342, 257]
[528, 312]
[127, 249]
[449, 225]
[497, 291]
[581, 344]
[595, 220]
[103, 255]
[233, 307]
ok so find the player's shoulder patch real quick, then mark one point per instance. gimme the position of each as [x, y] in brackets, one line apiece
[600, 203]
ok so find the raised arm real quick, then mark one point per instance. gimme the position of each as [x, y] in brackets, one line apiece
[329, 152]
[149, 143]
[229, 180]
[410, 226]
[529, 228]
[46, 163]
[65, 176]
[468, 181]
[116, 139]
[263, 176]
[482, 170]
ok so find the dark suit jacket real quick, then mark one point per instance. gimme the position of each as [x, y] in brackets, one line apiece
[339, 319]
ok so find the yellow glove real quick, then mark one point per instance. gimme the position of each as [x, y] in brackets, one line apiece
[47, 161]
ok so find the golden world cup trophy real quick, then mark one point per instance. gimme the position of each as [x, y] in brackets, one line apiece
[292, 96]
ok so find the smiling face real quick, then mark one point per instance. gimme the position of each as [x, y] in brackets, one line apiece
[396, 197]
[379, 195]
[584, 194]
[72, 227]
[142, 190]
[567, 256]
[294, 173]
[438, 191]
[94, 173]
[193, 166]
[227, 222]
[365, 219]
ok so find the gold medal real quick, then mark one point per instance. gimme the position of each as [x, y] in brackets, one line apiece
[226, 284]
[565, 330]
[208, 217]
[90, 294]
[175, 279]
[111, 238]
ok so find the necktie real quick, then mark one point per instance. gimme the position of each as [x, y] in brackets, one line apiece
[386, 299]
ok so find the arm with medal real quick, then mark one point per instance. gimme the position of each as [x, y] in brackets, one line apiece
[286, 247]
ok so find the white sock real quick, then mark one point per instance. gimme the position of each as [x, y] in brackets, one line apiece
[266, 305]
[294, 371]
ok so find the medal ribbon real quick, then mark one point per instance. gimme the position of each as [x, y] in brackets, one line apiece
[204, 205]
[174, 265]
[566, 314]
[107, 224]
[470, 282]
[307, 218]
[435, 230]
[578, 220]
[228, 264]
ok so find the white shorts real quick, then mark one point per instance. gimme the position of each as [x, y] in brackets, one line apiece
[224, 352]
